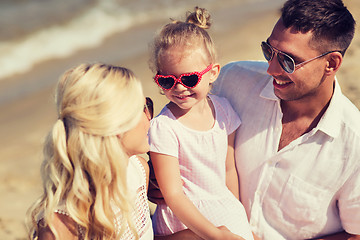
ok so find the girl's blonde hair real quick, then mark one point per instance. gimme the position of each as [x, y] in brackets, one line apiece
[186, 35]
[84, 163]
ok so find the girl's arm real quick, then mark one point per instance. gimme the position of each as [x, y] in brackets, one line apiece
[167, 173]
[232, 180]
[181, 235]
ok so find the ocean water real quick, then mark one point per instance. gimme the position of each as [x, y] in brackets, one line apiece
[37, 30]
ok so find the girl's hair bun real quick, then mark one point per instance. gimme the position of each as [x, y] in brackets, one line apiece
[200, 17]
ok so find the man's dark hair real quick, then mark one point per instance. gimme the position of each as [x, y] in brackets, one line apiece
[331, 23]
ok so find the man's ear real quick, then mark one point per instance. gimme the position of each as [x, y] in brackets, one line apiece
[214, 71]
[334, 61]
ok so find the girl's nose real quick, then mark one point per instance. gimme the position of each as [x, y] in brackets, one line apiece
[178, 86]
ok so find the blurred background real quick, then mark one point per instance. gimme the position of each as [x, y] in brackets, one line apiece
[40, 39]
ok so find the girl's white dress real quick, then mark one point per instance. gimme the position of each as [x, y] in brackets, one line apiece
[202, 156]
[136, 181]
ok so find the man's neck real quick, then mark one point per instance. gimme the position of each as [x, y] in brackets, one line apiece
[310, 107]
[301, 116]
[295, 110]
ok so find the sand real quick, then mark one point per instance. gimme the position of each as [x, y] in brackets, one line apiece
[27, 113]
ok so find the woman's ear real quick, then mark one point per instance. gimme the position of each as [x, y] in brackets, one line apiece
[333, 63]
[214, 71]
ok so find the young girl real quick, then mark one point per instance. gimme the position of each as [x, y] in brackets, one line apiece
[192, 139]
[94, 184]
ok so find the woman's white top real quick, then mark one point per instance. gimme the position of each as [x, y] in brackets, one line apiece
[136, 182]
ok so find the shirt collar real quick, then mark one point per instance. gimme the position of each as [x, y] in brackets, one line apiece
[268, 91]
[330, 122]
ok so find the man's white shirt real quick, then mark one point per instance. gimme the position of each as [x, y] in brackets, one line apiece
[309, 188]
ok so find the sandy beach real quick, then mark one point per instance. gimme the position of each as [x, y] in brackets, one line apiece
[27, 113]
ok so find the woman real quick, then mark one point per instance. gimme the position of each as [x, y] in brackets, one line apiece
[94, 184]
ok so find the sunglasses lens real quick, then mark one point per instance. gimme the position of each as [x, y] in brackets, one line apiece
[286, 62]
[190, 81]
[166, 82]
[267, 51]
[149, 108]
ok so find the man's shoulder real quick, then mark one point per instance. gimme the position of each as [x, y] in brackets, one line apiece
[351, 116]
[246, 66]
[243, 71]
[241, 76]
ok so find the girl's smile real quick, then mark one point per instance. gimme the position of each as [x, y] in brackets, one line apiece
[184, 97]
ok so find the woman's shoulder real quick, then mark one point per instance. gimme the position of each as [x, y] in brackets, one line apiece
[141, 163]
[63, 224]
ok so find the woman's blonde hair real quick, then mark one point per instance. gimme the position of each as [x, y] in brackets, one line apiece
[84, 163]
[186, 35]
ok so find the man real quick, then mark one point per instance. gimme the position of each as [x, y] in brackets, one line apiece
[298, 147]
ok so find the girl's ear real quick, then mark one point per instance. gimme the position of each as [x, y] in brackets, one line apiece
[214, 72]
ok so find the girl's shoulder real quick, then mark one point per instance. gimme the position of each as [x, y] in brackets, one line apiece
[225, 113]
[164, 117]
[220, 102]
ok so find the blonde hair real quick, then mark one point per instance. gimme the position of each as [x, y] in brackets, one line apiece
[187, 35]
[84, 163]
